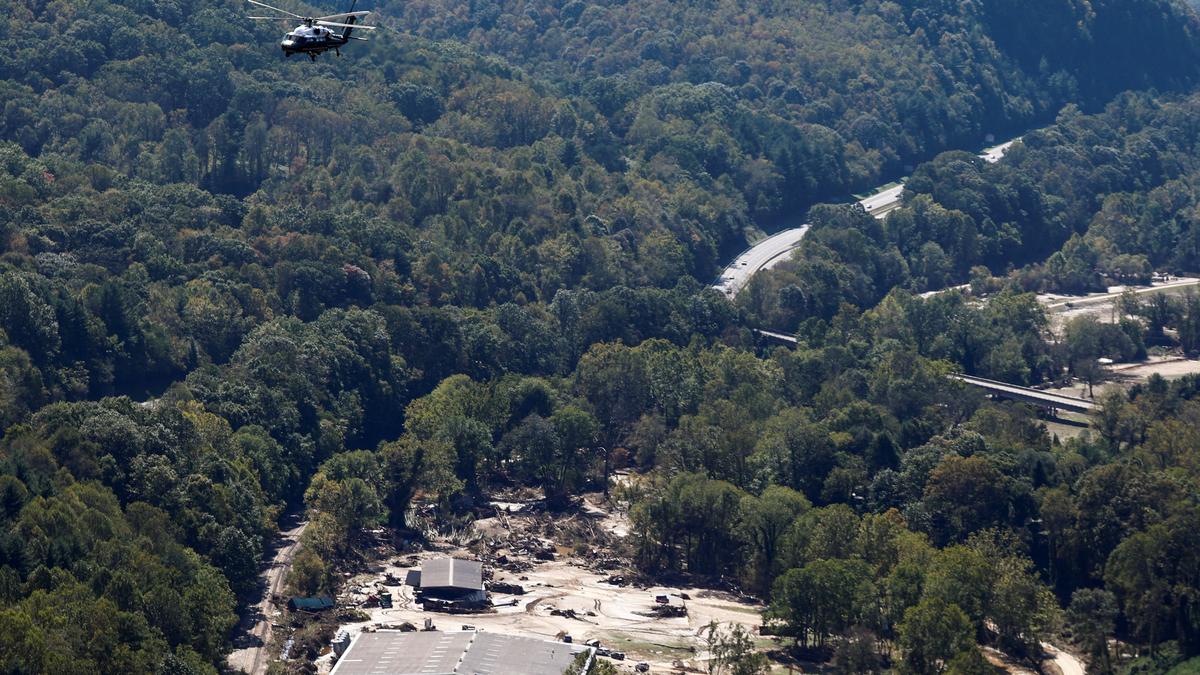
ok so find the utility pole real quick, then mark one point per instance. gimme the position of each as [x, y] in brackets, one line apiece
[604, 451]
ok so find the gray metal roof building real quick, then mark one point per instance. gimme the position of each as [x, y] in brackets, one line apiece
[465, 653]
[466, 575]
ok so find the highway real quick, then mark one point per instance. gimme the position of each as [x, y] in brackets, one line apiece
[781, 337]
[761, 256]
[884, 200]
[774, 249]
[1156, 287]
[994, 153]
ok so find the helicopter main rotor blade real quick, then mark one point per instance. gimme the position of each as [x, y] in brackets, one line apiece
[335, 16]
[344, 25]
[276, 9]
[272, 18]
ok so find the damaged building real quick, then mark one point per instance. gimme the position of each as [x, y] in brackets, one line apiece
[449, 584]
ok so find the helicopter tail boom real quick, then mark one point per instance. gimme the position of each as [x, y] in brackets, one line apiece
[350, 22]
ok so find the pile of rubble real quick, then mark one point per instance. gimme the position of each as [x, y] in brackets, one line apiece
[370, 595]
[666, 607]
[506, 588]
[516, 553]
[519, 541]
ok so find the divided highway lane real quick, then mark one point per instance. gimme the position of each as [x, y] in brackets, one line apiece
[761, 256]
[774, 249]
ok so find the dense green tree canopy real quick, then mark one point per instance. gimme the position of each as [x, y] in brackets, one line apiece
[473, 254]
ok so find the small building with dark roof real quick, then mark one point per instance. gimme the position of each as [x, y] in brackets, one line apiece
[314, 604]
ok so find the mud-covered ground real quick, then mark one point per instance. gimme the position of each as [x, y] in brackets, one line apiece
[571, 594]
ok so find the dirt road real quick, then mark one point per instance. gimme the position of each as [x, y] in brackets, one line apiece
[1068, 664]
[251, 641]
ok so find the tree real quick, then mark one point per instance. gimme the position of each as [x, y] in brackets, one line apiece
[310, 575]
[471, 442]
[209, 605]
[962, 577]
[731, 651]
[405, 465]
[26, 319]
[577, 430]
[796, 452]
[932, 633]
[970, 661]
[238, 556]
[535, 445]
[822, 599]
[690, 521]
[22, 643]
[965, 495]
[1023, 610]
[1092, 615]
[351, 503]
[858, 653]
[765, 520]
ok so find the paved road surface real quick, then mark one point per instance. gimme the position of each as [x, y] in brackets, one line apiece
[883, 201]
[255, 629]
[1108, 297]
[774, 249]
[1036, 396]
[762, 256]
[994, 153]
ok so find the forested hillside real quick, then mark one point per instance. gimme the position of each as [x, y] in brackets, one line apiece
[876, 84]
[1090, 201]
[478, 245]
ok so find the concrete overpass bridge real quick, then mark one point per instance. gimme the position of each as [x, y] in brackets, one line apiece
[1043, 399]
[998, 389]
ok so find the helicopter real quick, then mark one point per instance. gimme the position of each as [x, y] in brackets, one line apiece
[313, 36]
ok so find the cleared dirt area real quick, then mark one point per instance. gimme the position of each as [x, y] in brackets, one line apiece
[1125, 375]
[1169, 367]
[1119, 376]
[571, 594]
[1102, 306]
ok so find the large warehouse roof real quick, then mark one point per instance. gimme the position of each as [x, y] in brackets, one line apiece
[466, 653]
[452, 573]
